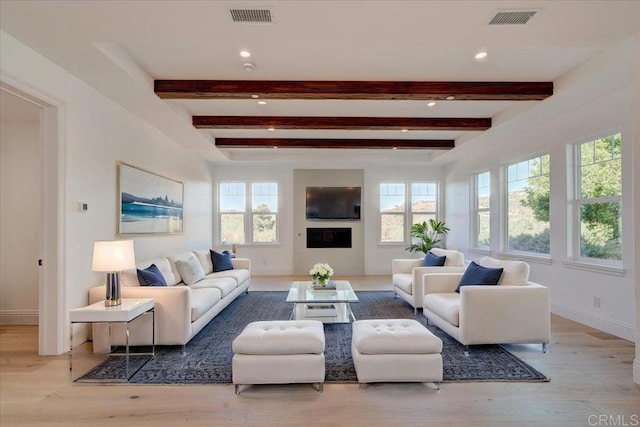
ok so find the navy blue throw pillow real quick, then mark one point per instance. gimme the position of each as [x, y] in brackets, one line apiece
[151, 276]
[221, 261]
[478, 275]
[432, 260]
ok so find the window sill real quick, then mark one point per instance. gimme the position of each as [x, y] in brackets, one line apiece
[596, 268]
[382, 244]
[481, 251]
[521, 256]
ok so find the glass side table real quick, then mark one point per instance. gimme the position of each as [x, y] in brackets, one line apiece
[130, 310]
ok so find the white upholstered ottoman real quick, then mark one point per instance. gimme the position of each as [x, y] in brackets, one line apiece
[279, 352]
[395, 350]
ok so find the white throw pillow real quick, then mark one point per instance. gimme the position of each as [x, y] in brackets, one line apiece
[454, 258]
[515, 272]
[190, 269]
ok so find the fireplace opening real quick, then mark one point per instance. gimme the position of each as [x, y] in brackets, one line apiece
[328, 237]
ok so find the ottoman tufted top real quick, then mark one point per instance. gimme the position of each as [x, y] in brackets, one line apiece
[394, 336]
[281, 337]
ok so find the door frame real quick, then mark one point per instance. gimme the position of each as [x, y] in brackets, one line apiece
[52, 274]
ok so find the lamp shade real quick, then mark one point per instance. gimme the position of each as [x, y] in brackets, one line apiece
[116, 255]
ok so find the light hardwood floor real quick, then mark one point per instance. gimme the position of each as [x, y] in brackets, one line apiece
[591, 376]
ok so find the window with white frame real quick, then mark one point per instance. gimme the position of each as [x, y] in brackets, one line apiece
[392, 212]
[528, 189]
[232, 208]
[598, 196]
[264, 212]
[261, 201]
[424, 201]
[396, 217]
[481, 210]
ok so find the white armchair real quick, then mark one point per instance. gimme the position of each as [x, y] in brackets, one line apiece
[407, 274]
[514, 311]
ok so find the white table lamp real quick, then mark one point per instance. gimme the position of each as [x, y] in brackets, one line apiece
[112, 257]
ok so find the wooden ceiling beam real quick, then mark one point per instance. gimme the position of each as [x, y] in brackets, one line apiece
[347, 123]
[424, 144]
[354, 90]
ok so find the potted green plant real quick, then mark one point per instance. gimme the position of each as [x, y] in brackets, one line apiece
[427, 235]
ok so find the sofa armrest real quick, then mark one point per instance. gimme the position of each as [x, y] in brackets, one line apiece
[420, 272]
[505, 314]
[172, 310]
[441, 283]
[243, 263]
[404, 266]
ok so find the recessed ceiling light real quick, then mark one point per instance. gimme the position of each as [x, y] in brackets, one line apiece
[248, 67]
[275, 146]
[394, 148]
[262, 102]
[404, 130]
[431, 104]
[450, 98]
[245, 53]
[255, 96]
[271, 129]
[481, 55]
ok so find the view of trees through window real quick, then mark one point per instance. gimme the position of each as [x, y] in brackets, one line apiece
[483, 209]
[528, 205]
[233, 208]
[264, 200]
[599, 197]
[393, 208]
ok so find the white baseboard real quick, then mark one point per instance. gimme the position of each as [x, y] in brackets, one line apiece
[614, 327]
[636, 370]
[19, 317]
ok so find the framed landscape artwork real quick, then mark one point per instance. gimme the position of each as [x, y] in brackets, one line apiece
[148, 203]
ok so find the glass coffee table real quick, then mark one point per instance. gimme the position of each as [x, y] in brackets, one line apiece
[323, 305]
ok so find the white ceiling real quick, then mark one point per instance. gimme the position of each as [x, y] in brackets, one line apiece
[121, 47]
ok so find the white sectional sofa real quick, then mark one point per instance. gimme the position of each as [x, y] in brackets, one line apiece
[407, 274]
[515, 311]
[181, 310]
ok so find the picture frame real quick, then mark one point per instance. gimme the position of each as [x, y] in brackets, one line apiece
[148, 203]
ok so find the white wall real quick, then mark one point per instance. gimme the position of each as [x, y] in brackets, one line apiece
[97, 134]
[20, 218]
[635, 112]
[278, 259]
[593, 99]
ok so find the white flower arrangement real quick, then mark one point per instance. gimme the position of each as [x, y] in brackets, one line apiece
[321, 273]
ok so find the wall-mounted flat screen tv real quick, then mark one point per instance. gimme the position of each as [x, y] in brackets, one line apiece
[334, 203]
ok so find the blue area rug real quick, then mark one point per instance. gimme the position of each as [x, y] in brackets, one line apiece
[208, 355]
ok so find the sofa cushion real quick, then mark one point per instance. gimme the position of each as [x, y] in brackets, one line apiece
[454, 258]
[225, 284]
[150, 276]
[164, 266]
[445, 305]
[174, 267]
[221, 261]
[190, 270]
[432, 260]
[477, 275]
[202, 300]
[240, 275]
[403, 281]
[205, 260]
[515, 272]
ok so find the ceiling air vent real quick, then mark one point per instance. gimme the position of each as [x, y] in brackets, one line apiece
[260, 16]
[512, 18]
